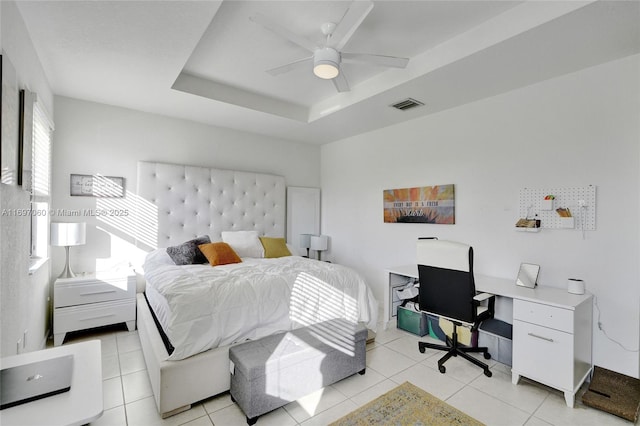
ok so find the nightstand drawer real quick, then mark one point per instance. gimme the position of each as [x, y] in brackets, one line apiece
[73, 291]
[94, 315]
[545, 315]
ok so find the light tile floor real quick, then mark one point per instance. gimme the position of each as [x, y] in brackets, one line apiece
[391, 360]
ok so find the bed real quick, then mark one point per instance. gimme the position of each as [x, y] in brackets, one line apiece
[186, 352]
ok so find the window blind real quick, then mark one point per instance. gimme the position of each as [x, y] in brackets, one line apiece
[41, 159]
[41, 181]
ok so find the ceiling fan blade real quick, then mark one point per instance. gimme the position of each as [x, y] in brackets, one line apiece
[290, 66]
[283, 32]
[353, 17]
[341, 82]
[384, 61]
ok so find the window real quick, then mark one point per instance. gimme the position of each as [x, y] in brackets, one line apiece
[41, 182]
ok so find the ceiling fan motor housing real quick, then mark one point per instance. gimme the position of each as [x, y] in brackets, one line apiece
[326, 63]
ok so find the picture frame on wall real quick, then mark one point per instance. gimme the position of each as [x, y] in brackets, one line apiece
[25, 137]
[426, 204]
[96, 186]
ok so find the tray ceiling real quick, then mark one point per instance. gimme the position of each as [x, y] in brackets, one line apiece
[206, 60]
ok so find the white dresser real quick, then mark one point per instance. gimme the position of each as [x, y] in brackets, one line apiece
[92, 301]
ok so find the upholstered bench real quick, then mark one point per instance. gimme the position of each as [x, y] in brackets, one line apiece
[275, 370]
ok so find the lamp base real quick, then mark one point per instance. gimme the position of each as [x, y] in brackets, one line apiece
[67, 272]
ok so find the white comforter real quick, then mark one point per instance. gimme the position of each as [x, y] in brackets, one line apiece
[202, 307]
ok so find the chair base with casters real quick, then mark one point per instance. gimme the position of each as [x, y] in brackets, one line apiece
[453, 348]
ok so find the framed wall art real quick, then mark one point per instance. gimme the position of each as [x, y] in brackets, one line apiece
[426, 204]
[96, 186]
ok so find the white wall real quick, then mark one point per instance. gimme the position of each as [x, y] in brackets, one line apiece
[94, 138]
[23, 297]
[16, 42]
[575, 130]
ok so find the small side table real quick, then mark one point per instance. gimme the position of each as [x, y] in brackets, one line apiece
[82, 404]
[91, 301]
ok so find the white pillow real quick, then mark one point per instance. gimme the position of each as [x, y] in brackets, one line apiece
[244, 243]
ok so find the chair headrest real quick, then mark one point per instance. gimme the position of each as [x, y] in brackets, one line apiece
[444, 254]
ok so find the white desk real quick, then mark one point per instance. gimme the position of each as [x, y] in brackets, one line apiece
[551, 329]
[82, 404]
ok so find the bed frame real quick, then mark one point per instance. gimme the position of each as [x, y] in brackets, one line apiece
[177, 203]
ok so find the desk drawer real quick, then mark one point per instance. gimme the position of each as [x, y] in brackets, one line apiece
[545, 315]
[543, 354]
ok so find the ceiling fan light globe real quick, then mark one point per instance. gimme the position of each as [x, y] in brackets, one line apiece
[325, 69]
[326, 63]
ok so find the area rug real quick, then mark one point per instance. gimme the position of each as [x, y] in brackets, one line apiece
[406, 405]
[614, 393]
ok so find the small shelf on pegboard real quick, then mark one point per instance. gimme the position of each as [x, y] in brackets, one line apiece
[521, 229]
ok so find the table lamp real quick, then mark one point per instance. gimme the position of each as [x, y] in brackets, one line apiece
[66, 234]
[319, 243]
[305, 242]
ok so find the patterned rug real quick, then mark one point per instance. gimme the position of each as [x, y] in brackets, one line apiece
[406, 405]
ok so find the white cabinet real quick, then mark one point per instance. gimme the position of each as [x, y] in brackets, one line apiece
[552, 343]
[92, 301]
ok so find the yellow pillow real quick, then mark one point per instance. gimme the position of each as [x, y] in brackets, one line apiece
[274, 247]
[219, 254]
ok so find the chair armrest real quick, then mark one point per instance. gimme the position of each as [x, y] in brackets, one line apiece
[483, 296]
[490, 298]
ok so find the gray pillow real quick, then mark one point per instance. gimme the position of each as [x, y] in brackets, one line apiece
[188, 253]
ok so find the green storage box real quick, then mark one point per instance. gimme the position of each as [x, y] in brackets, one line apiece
[412, 321]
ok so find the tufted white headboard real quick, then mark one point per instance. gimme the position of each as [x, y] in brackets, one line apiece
[189, 201]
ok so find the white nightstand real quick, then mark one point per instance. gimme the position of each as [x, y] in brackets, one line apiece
[92, 301]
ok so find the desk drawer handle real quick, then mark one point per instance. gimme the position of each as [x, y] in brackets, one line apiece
[91, 293]
[99, 316]
[540, 337]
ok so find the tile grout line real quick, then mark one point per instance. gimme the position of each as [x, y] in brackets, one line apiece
[124, 402]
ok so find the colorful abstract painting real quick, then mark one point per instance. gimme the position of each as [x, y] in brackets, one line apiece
[427, 204]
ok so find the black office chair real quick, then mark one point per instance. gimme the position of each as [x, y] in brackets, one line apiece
[447, 289]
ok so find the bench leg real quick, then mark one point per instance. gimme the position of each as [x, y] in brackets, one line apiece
[252, 421]
[361, 372]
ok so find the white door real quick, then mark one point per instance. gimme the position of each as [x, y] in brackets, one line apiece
[303, 214]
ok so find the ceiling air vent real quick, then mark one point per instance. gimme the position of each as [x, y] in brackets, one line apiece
[407, 104]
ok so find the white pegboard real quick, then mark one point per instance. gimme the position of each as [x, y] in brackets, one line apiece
[531, 204]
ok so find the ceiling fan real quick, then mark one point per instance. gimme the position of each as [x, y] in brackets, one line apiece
[328, 56]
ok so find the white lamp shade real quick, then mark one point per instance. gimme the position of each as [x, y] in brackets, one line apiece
[319, 242]
[68, 233]
[305, 240]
